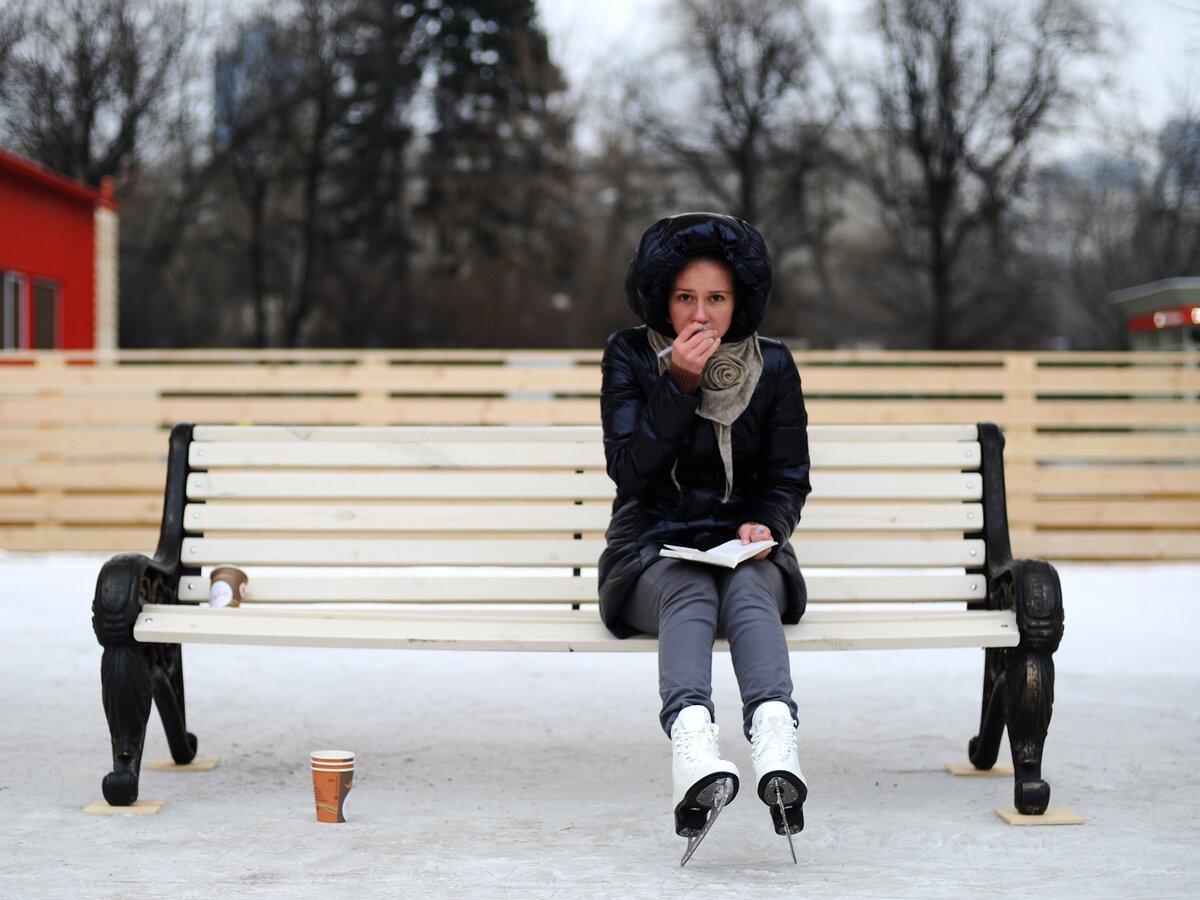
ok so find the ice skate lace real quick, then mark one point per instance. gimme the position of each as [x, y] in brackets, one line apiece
[699, 745]
[776, 742]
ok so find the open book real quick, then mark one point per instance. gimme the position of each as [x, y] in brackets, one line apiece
[728, 554]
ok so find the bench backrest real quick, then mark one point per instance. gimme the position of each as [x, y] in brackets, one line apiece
[365, 514]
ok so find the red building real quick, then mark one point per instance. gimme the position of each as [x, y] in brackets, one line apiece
[1162, 315]
[58, 260]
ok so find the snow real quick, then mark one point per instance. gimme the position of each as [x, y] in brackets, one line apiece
[545, 775]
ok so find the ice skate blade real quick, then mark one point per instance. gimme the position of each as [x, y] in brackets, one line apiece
[784, 816]
[722, 792]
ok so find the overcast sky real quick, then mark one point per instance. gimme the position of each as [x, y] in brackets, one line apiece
[1160, 64]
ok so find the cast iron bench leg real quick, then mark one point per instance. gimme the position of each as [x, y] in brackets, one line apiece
[985, 746]
[131, 674]
[1030, 678]
[1018, 683]
[166, 672]
[125, 685]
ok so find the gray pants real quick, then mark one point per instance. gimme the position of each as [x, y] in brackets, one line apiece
[684, 603]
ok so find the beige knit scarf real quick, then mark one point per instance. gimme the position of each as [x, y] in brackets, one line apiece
[727, 384]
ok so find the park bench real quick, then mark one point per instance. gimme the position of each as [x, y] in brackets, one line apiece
[486, 538]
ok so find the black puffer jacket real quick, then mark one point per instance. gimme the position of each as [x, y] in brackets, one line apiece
[651, 426]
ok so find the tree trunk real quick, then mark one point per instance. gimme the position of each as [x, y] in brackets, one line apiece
[258, 280]
[939, 282]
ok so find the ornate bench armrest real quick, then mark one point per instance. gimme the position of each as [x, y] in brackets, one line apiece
[1031, 588]
[130, 580]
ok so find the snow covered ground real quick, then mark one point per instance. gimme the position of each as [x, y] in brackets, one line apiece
[545, 775]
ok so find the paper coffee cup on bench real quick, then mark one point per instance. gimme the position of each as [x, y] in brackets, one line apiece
[333, 774]
[227, 586]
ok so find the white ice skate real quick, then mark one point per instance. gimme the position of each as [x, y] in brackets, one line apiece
[778, 779]
[703, 782]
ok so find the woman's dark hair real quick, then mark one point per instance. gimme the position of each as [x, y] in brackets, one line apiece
[670, 244]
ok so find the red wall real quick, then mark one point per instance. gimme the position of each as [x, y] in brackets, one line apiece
[45, 233]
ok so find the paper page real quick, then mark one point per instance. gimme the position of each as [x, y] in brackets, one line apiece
[729, 549]
[735, 549]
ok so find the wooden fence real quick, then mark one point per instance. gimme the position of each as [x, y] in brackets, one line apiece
[1103, 453]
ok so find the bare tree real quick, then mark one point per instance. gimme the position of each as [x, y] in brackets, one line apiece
[751, 113]
[1167, 237]
[12, 30]
[113, 87]
[256, 90]
[84, 80]
[965, 91]
[312, 130]
[498, 201]
[1118, 220]
[324, 98]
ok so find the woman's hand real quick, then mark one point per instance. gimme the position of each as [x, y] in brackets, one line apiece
[750, 532]
[693, 348]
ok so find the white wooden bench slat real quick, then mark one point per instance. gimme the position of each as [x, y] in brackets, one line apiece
[464, 517]
[567, 433]
[382, 552]
[532, 613]
[268, 588]
[398, 455]
[588, 434]
[840, 433]
[921, 553]
[429, 455]
[570, 631]
[935, 485]
[343, 484]
[402, 518]
[437, 484]
[826, 516]
[889, 588]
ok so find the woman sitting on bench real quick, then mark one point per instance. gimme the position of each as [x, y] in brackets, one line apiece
[705, 435]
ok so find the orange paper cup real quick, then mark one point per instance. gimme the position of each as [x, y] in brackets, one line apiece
[333, 776]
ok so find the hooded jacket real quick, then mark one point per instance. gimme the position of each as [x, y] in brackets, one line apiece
[663, 457]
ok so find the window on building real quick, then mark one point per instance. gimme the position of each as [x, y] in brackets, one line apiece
[13, 288]
[46, 315]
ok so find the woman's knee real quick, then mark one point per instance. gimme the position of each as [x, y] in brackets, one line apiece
[753, 589]
[676, 590]
[690, 603]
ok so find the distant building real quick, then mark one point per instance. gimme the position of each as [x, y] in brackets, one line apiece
[1162, 315]
[58, 260]
[247, 76]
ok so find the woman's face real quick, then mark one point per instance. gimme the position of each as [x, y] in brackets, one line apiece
[702, 293]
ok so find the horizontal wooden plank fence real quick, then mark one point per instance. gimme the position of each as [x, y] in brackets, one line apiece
[1103, 453]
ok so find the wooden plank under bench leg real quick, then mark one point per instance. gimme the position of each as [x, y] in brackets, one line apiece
[198, 764]
[136, 808]
[1055, 815]
[1000, 770]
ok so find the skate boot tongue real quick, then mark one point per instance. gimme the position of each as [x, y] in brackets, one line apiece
[691, 718]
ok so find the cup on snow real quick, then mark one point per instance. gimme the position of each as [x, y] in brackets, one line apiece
[333, 774]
